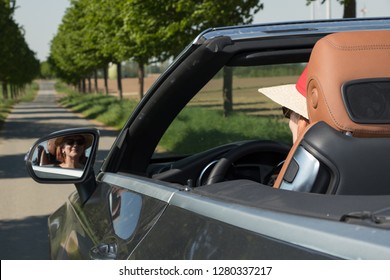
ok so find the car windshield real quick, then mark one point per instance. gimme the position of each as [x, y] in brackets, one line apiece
[206, 123]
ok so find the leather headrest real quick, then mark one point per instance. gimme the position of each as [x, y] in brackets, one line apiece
[335, 61]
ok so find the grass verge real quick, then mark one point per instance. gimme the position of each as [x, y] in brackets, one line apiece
[6, 105]
[103, 108]
[192, 130]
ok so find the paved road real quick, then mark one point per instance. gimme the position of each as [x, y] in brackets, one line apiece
[24, 204]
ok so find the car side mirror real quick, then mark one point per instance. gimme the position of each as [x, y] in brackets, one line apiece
[65, 156]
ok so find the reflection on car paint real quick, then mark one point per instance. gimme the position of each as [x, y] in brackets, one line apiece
[125, 210]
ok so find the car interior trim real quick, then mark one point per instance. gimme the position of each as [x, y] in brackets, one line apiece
[306, 164]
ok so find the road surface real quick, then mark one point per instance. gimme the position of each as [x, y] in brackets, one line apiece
[25, 204]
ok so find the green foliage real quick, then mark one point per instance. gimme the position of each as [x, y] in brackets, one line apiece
[94, 32]
[46, 71]
[162, 28]
[18, 65]
[269, 70]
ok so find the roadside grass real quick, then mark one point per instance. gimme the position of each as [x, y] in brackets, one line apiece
[5, 108]
[30, 93]
[199, 126]
[197, 129]
[6, 105]
[106, 109]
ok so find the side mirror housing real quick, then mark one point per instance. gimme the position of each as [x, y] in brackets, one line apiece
[65, 156]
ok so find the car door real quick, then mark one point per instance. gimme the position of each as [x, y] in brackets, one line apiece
[109, 225]
[189, 233]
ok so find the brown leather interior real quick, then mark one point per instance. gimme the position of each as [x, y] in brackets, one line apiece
[335, 60]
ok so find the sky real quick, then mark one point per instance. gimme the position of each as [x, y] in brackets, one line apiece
[40, 18]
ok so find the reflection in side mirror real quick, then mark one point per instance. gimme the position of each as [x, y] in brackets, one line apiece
[64, 156]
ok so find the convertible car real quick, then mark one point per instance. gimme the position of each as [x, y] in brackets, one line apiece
[205, 167]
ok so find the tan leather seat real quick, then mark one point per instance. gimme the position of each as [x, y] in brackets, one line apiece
[348, 101]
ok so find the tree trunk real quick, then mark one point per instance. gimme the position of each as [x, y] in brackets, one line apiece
[83, 86]
[141, 79]
[15, 92]
[95, 78]
[105, 74]
[5, 90]
[119, 80]
[349, 9]
[89, 84]
[227, 90]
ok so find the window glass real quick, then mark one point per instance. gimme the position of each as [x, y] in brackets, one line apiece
[210, 119]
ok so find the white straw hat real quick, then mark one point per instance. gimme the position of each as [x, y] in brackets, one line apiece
[287, 96]
[290, 96]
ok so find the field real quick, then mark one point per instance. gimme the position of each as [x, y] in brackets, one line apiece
[246, 98]
[130, 86]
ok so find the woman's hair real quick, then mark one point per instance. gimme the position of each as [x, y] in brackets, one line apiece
[59, 156]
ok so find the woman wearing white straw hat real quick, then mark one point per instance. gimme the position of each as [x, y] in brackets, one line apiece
[71, 150]
[292, 98]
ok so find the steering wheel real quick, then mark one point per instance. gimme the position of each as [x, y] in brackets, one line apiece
[219, 171]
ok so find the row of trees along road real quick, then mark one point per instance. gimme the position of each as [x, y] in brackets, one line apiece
[94, 33]
[18, 65]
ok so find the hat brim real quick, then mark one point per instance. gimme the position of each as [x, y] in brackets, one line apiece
[88, 139]
[287, 96]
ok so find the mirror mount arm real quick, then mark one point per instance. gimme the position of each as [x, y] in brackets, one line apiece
[86, 188]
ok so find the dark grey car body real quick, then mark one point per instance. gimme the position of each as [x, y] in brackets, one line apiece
[131, 211]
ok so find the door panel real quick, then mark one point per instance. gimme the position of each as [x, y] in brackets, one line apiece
[181, 234]
[108, 226]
